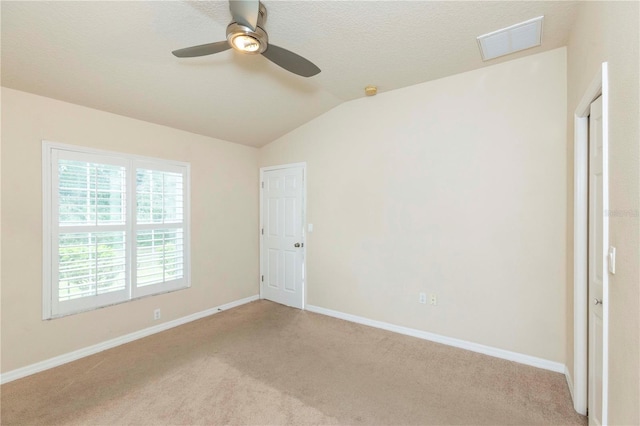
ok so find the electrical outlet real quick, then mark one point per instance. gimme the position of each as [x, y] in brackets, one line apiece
[423, 298]
[156, 314]
[433, 299]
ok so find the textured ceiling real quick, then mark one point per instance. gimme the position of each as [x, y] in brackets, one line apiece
[116, 56]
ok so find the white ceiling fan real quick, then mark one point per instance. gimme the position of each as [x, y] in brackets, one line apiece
[247, 35]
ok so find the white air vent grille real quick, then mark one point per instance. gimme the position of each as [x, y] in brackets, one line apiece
[511, 39]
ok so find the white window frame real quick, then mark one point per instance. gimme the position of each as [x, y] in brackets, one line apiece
[51, 307]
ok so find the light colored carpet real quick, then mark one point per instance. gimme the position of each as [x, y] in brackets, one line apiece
[264, 363]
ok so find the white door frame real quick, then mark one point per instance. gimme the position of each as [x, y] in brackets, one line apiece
[599, 86]
[304, 224]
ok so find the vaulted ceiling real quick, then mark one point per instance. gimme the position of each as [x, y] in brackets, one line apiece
[116, 56]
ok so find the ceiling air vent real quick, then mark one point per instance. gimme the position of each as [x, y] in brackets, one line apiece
[511, 39]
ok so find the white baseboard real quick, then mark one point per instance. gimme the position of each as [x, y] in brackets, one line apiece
[463, 344]
[93, 349]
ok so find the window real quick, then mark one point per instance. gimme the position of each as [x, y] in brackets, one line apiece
[115, 228]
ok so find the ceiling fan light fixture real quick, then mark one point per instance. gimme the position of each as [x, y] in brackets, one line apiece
[245, 43]
[244, 40]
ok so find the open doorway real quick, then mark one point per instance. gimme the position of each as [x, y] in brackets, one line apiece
[591, 310]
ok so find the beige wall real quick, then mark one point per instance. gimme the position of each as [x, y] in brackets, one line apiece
[224, 214]
[454, 187]
[609, 31]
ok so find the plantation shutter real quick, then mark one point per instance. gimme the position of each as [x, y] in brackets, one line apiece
[159, 229]
[90, 255]
[115, 228]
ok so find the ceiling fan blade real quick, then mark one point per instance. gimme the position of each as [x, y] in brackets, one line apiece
[245, 12]
[290, 61]
[202, 50]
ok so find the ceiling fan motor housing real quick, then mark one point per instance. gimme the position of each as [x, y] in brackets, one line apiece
[246, 40]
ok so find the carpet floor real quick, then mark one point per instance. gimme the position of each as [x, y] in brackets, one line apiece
[263, 363]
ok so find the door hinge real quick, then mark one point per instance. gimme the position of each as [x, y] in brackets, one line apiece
[262, 185]
[262, 279]
[262, 231]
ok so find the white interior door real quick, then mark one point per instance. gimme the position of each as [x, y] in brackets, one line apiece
[597, 269]
[282, 235]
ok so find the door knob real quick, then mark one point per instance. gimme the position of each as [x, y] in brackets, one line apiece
[597, 301]
[296, 245]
